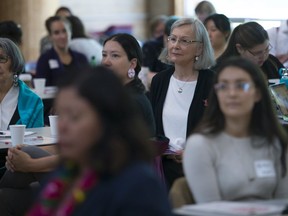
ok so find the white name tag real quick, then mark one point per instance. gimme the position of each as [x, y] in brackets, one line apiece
[264, 168]
[53, 64]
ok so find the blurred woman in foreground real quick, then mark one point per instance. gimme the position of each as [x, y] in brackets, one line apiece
[104, 151]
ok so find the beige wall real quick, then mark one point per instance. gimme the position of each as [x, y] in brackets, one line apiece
[31, 15]
[98, 15]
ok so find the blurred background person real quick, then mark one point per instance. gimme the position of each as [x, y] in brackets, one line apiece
[105, 153]
[12, 30]
[81, 43]
[219, 30]
[179, 94]
[239, 150]
[278, 38]
[45, 42]
[59, 59]
[250, 40]
[157, 26]
[152, 50]
[122, 54]
[203, 9]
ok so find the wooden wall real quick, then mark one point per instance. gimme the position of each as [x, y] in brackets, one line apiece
[96, 15]
[31, 15]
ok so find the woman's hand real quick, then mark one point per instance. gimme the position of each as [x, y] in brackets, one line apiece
[17, 160]
[176, 157]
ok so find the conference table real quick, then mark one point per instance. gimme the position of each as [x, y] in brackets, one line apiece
[274, 207]
[33, 136]
[49, 92]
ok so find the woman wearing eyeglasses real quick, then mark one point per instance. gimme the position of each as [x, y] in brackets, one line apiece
[18, 104]
[239, 150]
[250, 40]
[179, 94]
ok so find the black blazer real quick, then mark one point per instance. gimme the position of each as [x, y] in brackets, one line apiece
[159, 88]
[271, 67]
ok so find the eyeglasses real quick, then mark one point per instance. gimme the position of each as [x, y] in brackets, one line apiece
[239, 86]
[182, 41]
[261, 53]
[4, 58]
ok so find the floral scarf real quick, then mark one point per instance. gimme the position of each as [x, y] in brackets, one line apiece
[62, 193]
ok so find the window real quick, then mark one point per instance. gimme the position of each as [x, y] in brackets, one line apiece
[268, 13]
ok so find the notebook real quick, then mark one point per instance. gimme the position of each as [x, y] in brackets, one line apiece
[279, 94]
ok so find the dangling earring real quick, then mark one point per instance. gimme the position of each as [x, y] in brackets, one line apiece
[196, 58]
[131, 73]
[15, 80]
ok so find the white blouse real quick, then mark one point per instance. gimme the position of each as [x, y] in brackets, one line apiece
[8, 106]
[175, 111]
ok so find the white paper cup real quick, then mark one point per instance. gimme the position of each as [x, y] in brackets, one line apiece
[53, 120]
[274, 81]
[39, 85]
[26, 78]
[17, 134]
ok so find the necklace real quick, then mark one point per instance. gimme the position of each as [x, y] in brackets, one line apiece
[180, 88]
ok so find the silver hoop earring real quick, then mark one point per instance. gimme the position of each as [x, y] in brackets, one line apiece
[131, 73]
[15, 80]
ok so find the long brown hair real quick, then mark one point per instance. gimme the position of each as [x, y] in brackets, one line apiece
[264, 120]
[125, 138]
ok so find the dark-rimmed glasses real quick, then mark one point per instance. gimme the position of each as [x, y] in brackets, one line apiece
[182, 41]
[261, 53]
[4, 58]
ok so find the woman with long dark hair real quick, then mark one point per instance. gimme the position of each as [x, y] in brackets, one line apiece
[123, 55]
[250, 40]
[105, 153]
[239, 150]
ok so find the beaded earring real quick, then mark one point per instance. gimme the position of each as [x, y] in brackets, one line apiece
[131, 73]
[15, 80]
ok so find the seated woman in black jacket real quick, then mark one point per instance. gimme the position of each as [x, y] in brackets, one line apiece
[122, 54]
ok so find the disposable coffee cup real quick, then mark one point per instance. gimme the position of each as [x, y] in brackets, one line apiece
[39, 85]
[26, 78]
[17, 134]
[53, 120]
